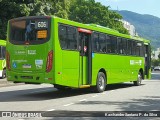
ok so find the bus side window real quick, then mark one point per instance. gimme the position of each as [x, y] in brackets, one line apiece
[68, 37]
[113, 44]
[133, 47]
[124, 46]
[102, 43]
[139, 49]
[129, 47]
[120, 47]
[95, 43]
[72, 39]
[63, 36]
[3, 52]
[108, 44]
[142, 50]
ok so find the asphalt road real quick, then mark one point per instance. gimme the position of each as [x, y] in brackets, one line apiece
[120, 97]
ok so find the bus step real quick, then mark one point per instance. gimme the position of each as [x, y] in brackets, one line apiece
[84, 86]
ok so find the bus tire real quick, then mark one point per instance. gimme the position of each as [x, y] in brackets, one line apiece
[101, 82]
[139, 80]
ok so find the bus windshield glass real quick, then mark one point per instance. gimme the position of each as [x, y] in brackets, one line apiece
[2, 52]
[29, 31]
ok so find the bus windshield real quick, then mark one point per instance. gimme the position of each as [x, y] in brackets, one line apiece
[2, 52]
[29, 31]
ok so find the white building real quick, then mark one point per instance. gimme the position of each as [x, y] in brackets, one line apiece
[130, 28]
[155, 54]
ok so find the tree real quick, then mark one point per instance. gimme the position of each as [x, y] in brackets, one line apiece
[85, 11]
[59, 8]
[89, 11]
[155, 62]
[11, 9]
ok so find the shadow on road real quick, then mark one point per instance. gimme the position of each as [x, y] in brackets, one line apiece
[150, 103]
[39, 94]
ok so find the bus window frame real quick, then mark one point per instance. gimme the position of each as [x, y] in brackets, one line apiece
[77, 37]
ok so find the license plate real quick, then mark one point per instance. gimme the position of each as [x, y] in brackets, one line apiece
[26, 66]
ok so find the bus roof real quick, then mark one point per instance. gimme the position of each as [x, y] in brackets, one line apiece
[99, 28]
[92, 27]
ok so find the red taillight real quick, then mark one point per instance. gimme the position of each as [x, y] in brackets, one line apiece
[8, 60]
[49, 61]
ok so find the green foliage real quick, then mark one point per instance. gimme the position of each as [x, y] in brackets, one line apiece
[155, 62]
[88, 11]
[85, 11]
[58, 8]
[10, 9]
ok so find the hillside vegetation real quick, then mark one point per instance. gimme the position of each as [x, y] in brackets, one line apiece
[147, 26]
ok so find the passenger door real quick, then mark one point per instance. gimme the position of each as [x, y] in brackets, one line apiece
[85, 58]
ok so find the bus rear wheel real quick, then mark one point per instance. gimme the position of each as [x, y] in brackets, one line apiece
[139, 80]
[101, 82]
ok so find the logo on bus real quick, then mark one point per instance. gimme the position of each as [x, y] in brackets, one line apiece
[39, 64]
[14, 65]
[135, 62]
[20, 52]
[31, 52]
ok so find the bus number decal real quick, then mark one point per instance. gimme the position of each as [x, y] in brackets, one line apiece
[41, 24]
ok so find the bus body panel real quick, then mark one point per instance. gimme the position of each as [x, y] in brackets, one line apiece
[67, 63]
[118, 68]
[69, 68]
[2, 57]
[28, 62]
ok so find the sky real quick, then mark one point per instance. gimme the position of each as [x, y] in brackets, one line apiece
[151, 7]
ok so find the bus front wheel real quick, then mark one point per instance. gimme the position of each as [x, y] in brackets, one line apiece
[101, 82]
[139, 80]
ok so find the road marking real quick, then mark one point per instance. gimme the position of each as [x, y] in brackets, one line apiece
[155, 73]
[95, 96]
[51, 110]
[68, 104]
[83, 100]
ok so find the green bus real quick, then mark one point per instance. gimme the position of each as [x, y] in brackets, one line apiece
[48, 49]
[2, 59]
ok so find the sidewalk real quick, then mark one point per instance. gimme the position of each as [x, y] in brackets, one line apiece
[4, 83]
